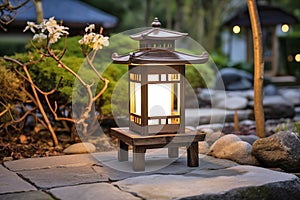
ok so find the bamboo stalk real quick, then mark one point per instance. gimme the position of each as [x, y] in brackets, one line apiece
[258, 69]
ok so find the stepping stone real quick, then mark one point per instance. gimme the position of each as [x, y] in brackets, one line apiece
[32, 195]
[92, 192]
[11, 182]
[230, 183]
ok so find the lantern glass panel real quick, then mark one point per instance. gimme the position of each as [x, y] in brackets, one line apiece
[163, 103]
[135, 98]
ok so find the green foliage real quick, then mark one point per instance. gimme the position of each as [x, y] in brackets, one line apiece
[199, 75]
[10, 92]
[294, 127]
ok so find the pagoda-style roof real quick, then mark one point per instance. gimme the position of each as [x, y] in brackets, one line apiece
[269, 16]
[157, 46]
[158, 34]
[160, 56]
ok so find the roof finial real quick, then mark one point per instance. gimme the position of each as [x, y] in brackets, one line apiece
[155, 23]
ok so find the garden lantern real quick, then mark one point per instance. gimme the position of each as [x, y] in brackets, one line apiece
[156, 81]
[156, 76]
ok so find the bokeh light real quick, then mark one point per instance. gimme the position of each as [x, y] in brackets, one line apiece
[285, 28]
[236, 29]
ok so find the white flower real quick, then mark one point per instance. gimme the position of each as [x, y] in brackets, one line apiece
[90, 28]
[47, 28]
[53, 38]
[31, 26]
[39, 37]
[100, 41]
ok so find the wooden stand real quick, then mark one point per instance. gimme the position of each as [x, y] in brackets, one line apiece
[140, 144]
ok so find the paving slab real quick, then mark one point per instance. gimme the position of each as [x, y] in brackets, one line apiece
[57, 177]
[158, 162]
[11, 182]
[31, 195]
[94, 191]
[197, 185]
[51, 162]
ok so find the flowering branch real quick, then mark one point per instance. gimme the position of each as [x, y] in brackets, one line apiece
[50, 31]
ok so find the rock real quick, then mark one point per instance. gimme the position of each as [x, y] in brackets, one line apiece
[279, 150]
[249, 138]
[247, 122]
[214, 127]
[211, 137]
[203, 147]
[276, 107]
[82, 147]
[233, 79]
[233, 103]
[270, 90]
[206, 130]
[232, 148]
[292, 96]
[221, 143]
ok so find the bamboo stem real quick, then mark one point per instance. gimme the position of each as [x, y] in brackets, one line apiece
[258, 69]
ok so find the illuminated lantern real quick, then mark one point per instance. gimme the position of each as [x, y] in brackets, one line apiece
[156, 76]
[156, 81]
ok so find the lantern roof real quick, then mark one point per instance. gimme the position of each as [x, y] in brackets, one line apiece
[157, 33]
[157, 46]
[160, 56]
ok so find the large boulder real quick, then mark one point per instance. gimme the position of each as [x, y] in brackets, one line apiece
[292, 96]
[233, 79]
[233, 103]
[279, 150]
[276, 107]
[232, 148]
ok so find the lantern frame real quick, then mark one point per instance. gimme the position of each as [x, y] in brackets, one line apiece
[162, 75]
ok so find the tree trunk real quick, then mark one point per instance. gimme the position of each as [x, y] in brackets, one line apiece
[147, 13]
[39, 10]
[258, 69]
[168, 14]
[180, 15]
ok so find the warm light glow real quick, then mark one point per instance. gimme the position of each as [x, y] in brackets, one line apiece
[290, 58]
[297, 57]
[159, 100]
[236, 29]
[135, 98]
[285, 28]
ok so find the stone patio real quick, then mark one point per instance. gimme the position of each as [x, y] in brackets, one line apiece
[101, 176]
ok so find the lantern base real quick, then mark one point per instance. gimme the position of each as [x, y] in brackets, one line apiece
[171, 141]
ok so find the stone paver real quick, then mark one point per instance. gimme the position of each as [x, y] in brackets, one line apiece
[57, 177]
[50, 162]
[11, 182]
[31, 195]
[92, 192]
[97, 176]
[197, 184]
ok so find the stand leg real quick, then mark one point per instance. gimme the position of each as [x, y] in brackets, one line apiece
[139, 158]
[193, 155]
[173, 152]
[123, 151]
